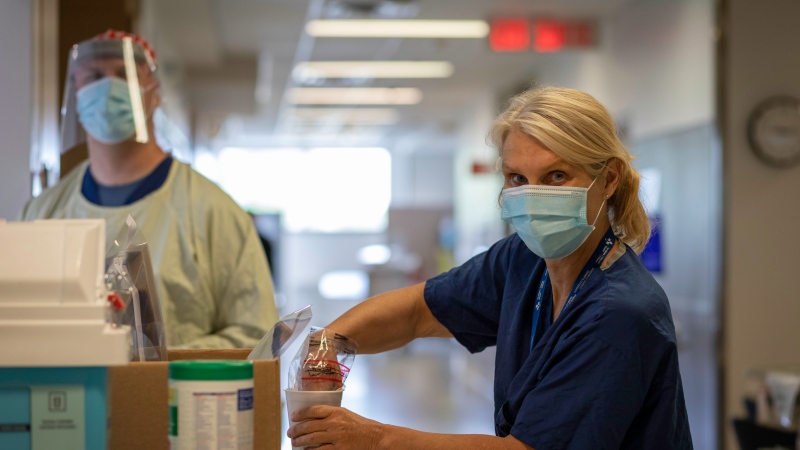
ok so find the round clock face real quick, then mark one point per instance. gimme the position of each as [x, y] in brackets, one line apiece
[774, 131]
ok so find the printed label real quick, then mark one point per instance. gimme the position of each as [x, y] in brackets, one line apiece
[245, 399]
[58, 418]
[206, 417]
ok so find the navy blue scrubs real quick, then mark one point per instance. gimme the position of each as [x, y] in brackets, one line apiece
[603, 375]
[126, 194]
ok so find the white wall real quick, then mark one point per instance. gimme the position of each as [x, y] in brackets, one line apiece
[476, 213]
[173, 126]
[653, 67]
[422, 173]
[762, 242]
[15, 106]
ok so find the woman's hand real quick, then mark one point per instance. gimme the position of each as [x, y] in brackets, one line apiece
[331, 427]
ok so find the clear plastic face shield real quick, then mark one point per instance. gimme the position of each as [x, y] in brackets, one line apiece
[110, 93]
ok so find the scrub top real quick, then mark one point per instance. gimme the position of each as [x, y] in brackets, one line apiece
[213, 282]
[603, 375]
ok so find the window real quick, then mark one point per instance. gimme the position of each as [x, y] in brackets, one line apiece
[319, 190]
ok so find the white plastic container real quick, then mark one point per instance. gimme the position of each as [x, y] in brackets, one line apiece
[211, 405]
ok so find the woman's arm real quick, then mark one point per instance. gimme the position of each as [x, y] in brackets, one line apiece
[341, 429]
[382, 323]
[390, 321]
[398, 438]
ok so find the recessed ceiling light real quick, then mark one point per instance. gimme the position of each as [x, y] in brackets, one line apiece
[344, 285]
[372, 69]
[357, 116]
[355, 96]
[365, 28]
[374, 255]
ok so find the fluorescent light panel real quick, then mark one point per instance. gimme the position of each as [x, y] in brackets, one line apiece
[373, 69]
[355, 96]
[366, 28]
[358, 116]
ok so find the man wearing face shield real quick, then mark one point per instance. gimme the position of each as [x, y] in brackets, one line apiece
[213, 279]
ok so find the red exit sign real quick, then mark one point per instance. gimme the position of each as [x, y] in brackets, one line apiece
[542, 35]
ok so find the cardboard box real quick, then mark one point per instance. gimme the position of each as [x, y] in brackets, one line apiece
[138, 410]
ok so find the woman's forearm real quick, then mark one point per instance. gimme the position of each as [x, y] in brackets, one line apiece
[389, 321]
[398, 438]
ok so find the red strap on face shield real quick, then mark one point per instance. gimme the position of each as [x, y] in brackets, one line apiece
[116, 35]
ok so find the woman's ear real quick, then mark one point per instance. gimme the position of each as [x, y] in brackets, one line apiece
[613, 175]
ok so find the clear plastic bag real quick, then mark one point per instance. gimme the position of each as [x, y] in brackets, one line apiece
[282, 334]
[129, 274]
[323, 361]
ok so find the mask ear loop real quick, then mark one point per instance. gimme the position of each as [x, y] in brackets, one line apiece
[604, 200]
[599, 211]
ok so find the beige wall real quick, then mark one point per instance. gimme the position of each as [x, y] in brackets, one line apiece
[761, 284]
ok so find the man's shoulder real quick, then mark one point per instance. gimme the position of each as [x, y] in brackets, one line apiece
[199, 184]
[56, 196]
[205, 196]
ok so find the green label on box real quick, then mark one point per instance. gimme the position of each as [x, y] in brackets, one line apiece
[173, 420]
[58, 417]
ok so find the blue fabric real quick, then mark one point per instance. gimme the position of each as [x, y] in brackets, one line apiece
[117, 195]
[126, 194]
[603, 375]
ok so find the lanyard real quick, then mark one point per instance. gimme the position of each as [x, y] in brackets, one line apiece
[594, 262]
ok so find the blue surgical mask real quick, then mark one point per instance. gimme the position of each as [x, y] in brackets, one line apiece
[550, 220]
[104, 109]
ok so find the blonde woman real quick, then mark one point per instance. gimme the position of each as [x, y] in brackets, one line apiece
[586, 352]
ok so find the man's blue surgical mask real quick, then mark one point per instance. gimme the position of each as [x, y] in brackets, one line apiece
[104, 109]
[550, 220]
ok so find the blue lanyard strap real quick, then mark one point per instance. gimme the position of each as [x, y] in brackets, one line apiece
[594, 262]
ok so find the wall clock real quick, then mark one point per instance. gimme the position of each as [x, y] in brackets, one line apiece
[773, 130]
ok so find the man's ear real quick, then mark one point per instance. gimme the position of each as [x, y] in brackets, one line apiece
[157, 95]
[154, 93]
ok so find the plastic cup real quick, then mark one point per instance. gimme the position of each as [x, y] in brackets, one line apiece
[302, 399]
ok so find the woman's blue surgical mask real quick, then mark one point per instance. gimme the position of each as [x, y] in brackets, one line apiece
[105, 111]
[550, 220]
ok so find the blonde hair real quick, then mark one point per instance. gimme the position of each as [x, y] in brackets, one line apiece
[577, 128]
